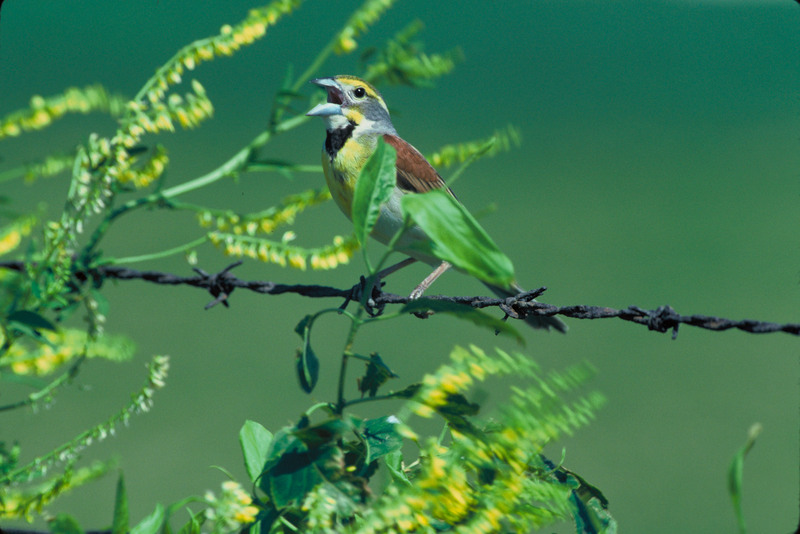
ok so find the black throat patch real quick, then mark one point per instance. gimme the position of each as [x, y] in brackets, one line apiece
[337, 138]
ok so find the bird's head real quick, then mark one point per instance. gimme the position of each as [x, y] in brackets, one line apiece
[352, 102]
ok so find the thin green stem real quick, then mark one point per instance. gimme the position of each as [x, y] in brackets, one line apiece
[156, 255]
[35, 397]
[347, 352]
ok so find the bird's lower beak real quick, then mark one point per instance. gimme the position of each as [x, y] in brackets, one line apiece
[335, 96]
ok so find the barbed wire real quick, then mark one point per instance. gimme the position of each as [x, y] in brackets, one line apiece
[220, 285]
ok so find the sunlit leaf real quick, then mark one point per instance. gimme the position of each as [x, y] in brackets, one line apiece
[152, 523]
[373, 188]
[255, 441]
[457, 237]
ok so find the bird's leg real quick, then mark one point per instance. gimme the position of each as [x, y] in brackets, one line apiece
[431, 278]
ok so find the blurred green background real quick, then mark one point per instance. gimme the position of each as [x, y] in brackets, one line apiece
[659, 165]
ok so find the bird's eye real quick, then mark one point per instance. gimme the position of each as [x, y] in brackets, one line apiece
[360, 92]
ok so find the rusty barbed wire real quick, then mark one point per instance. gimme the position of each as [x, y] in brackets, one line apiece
[220, 285]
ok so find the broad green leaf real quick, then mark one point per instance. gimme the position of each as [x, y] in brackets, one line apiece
[736, 472]
[382, 437]
[152, 523]
[373, 188]
[64, 524]
[31, 320]
[462, 311]
[456, 237]
[394, 462]
[296, 472]
[121, 518]
[255, 441]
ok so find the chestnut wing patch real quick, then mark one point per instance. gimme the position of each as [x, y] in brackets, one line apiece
[414, 173]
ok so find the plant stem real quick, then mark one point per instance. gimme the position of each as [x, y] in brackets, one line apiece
[346, 354]
[156, 255]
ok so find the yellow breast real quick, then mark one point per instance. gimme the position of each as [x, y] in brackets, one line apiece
[341, 173]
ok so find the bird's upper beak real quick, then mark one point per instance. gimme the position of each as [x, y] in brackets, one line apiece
[335, 98]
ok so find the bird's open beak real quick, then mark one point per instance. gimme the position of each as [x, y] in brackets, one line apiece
[335, 99]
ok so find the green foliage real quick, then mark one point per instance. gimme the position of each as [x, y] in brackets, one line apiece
[456, 237]
[488, 477]
[373, 189]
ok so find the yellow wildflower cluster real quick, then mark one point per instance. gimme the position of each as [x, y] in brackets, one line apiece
[149, 172]
[501, 141]
[283, 254]
[266, 221]
[359, 22]
[451, 484]
[62, 348]
[232, 510]
[228, 41]
[23, 504]
[44, 110]
[157, 116]
[11, 235]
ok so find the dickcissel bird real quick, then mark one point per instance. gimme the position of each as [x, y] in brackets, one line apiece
[356, 117]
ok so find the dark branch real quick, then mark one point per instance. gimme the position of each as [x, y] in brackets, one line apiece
[222, 284]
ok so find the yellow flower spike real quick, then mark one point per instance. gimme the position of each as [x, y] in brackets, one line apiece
[37, 102]
[267, 226]
[342, 257]
[41, 119]
[188, 62]
[226, 29]
[183, 118]
[423, 411]
[205, 52]
[11, 130]
[164, 122]
[297, 261]
[10, 241]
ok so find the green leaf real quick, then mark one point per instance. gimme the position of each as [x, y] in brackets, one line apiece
[456, 237]
[736, 472]
[64, 524]
[255, 441]
[373, 188]
[152, 523]
[382, 437]
[295, 472]
[462, 311]
[121, 518]
[377, 374]
[307, 361]
[30, 319]
[307, 368]
[394, 463]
